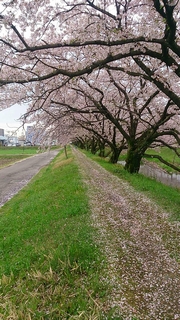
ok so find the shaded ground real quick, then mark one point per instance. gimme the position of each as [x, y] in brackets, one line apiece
[140, 245]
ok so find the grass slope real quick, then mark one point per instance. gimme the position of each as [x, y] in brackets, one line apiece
[9, 155]
[7, 160]
[50, 267]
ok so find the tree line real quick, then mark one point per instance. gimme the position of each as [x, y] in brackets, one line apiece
[98, 73]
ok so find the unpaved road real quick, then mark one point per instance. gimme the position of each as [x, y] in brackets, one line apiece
[140, 245]
[15, 177]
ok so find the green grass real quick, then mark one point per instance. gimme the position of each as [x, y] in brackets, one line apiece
[18, 150]
[50, 266]
[167, 197]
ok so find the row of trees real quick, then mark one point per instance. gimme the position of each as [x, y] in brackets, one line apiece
[96, 72]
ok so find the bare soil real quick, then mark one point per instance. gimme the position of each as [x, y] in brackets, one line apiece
[140, 244]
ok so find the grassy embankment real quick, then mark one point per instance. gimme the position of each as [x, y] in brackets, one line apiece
[166, 196]
[9, 155]
[50, 267]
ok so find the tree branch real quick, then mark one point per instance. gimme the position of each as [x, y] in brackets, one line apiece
[162, 160]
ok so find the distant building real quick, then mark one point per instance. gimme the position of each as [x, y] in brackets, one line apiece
[3, 139]
[2, 132]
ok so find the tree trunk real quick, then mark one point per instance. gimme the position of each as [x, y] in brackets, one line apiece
[93, 146]
[101, 149]
[133, 161]
[115, 155]
[102, 152]
[65, 151]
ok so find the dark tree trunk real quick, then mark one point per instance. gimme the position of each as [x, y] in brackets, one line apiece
[101, 149]
[133, 161]
[87, 144]
[115, 155]
[93, 146]
[65, 151]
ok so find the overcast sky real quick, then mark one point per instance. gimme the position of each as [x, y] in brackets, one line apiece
[9, 117]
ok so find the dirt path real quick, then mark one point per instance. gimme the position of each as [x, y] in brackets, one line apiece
[139, 244]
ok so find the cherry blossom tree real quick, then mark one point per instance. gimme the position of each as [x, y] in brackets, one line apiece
[47, 40]
[138, 111]
[47, 45]
[102, 133]
[118, 110]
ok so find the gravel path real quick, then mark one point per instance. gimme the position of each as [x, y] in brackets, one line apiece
[139, 244]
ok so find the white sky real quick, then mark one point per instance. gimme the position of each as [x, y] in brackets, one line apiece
[9, 118]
